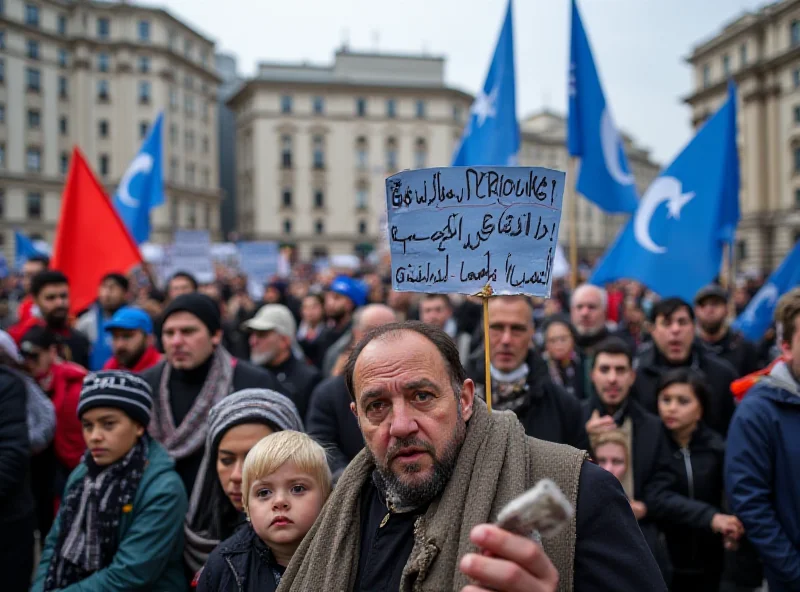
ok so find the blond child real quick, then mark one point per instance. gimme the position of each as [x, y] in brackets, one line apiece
[285, 483]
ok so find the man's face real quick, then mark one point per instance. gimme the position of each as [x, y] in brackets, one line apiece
[187, 342]
[711, 313]
[111, 296]
[587, 312]
[613, 378]
[30, 269]
[127, 346]
[337, 306]
[179, 286]
[510, 332]
[412, 422]
[793, 348]
[266, 346]
[311, 310]
[673, 335]
[53, 301]
[435, 312]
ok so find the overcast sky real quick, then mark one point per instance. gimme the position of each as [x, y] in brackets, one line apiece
[639, 45]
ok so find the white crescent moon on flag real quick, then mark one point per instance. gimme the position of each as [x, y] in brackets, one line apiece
[143, 163]
[610, 143]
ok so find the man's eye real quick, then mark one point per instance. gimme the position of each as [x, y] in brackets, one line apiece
[376, 406]
[423, 397]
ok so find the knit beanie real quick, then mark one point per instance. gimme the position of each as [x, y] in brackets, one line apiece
[118, 389]
[252, 405]
[200, 305]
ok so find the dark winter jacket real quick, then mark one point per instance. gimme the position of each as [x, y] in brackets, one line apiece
[740, 353]
[687, 493]
[16, 500]
[297, 380]
[762, 474]
[331, 423]
[719, 374]
[551, 413]
[241, 563]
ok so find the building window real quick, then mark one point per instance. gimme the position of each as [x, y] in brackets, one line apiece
[319, 227]
[33, 159]
[391, 108]
[391, 154]
[144, 31]
[287, 227]
[102, 128]
[63, 58]
[188, 82]
[173, 99]
[144, 64]
[190, 174]
[33, 49]
[2, 205]
[204, 57]
[420, 109]
[318, 147]
[319, 199]
[33, 206]
[2, 39]
[741, 250]
[34, 119]
[103, 62]
[797, 114]
[726, 65]
[420, 153]
[2, 70]
[173, 134]
[2, 112]
[33, 77]
[62, 24]
[31, 15]
[286, 104]
[102, 90]
[706, 76]
[361, 107]
[206, 185]
[63, 87]
[144, 92]
[361, 197]
[189, 105]
[187, 48]
[743, 55]
[457, 113]
[191, 215]
[318, 105]
[286, 151]
[64, 163]
[173, 212]
[797, 198]
[103, 28]
[797, 159]
[173, 172]
[206, 110]
[361, 153]
[188, 141]
[286, 197]
[2, 155]
[796, 78]
[103, 165]
[205, 145]
[144, 127]
[362, 228]
[794, 33]
[63, 128]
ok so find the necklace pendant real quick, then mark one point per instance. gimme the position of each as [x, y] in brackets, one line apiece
[385, 520]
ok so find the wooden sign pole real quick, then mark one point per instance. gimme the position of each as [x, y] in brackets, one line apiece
[485, 294]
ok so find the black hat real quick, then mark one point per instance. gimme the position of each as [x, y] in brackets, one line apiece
[118, 389]
[711, 291]
[36, 339]
[200, 305]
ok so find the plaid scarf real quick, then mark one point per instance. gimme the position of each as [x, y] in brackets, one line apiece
[90, 516]
[563, 372]
[189, 437]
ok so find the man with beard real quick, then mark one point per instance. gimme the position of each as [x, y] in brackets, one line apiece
[111, 296]
[273, 346]
[711, 308]
[197, 373]
[588, 312]
[341, 300]
[30, 268]
[413, 507]
[50, 290]
[132, 346]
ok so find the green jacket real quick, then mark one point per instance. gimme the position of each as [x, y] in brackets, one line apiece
[150, 550]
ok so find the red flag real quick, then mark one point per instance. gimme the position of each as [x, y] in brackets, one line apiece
[91, 239]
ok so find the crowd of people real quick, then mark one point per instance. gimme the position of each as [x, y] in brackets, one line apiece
[333, 435]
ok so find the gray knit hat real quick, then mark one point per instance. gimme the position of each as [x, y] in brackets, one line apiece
[119, 389]
[251, 405]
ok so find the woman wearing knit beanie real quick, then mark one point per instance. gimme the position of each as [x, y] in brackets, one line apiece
[119, 526]
[235, 425]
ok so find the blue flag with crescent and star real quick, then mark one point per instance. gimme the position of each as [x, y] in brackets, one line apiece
[604, 176]
[673, 243]
[142, 186]
[757, 316]
[24, 249]
[491, 137]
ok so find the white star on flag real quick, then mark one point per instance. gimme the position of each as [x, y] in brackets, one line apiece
[484, 106]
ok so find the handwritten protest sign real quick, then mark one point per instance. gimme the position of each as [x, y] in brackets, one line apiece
[457, 229]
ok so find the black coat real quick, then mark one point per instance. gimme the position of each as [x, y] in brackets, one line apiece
[235, 559]
[16, 500]
[740, 353]
[331, 423]
[650, 365]
[551, 413]
[298, 380]
[648, 443]
[686, 493]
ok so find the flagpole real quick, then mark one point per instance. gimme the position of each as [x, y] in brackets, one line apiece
[731, 278]
[572, 201]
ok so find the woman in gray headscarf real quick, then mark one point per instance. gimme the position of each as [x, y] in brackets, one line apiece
[235, 425]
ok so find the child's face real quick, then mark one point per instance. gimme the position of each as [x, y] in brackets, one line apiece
[284, 505]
